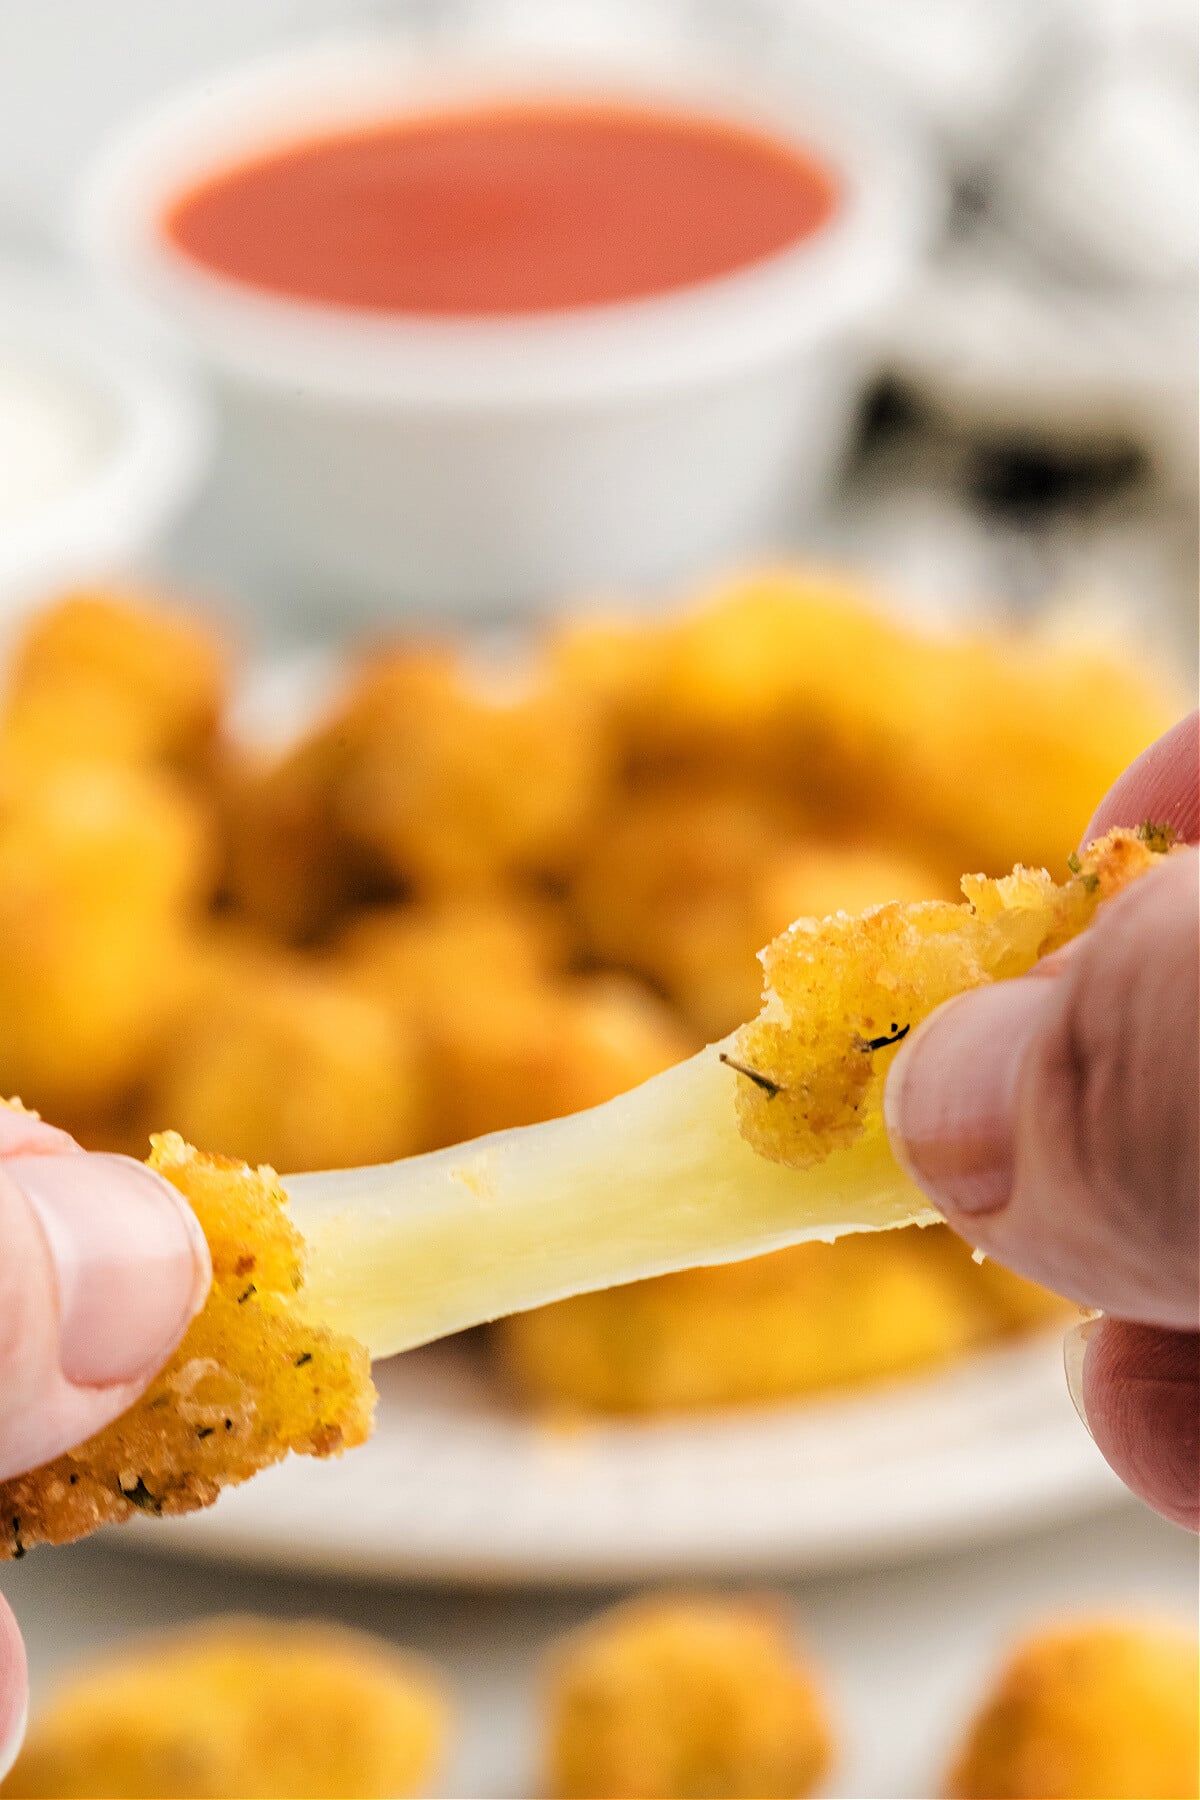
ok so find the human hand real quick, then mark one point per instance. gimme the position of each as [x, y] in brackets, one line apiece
[1054, 1121]
[102, 1268]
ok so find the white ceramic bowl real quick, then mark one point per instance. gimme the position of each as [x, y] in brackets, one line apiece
[489, 464]
[144, 438]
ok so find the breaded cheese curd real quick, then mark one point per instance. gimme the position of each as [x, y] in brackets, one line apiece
[684, 1697]
[108, 675]
[1095, 1710]
[250, 1381]
[867, 1308]
[239, 1709]
[842, 993]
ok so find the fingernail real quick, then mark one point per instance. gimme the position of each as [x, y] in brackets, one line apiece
[1075, 1343]
[950, 1098]
[130, 1259]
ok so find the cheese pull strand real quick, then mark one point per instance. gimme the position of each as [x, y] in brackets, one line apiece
[655, 1180]
[773, 1137]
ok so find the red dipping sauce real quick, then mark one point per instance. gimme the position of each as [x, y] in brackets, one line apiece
[512, 209]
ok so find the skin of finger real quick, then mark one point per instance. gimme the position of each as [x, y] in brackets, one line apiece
[41, 1413]
[1141, 1393]
[1107, 1164]
[23, 1135]
[1162, 785]
[14, 1688]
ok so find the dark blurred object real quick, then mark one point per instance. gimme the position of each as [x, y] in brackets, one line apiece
[1027, 481]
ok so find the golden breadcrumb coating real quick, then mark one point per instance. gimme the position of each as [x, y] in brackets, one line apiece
[102, 869]
[614, 665]
[684, 1696]
[751, 681]
[289, 867]
[1096, 1710]
[670, 889]
[798, 1322]
[815, 878]
[1014, 738]
[239, 1709]
[842, 992]
[519, 1052]
[409, 955]
[795, 679]
[457, 783]
[273, 1052]
[687, 882]
[249, 1383]
[978, 750]
[795, 1323]
[108, 675]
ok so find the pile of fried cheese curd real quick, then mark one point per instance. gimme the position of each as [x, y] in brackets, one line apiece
[673, 1694]
[486, 887]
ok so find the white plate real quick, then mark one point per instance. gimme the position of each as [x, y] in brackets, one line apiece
[459, 1486]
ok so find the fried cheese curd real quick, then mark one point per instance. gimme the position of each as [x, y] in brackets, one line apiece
[784, 1326]
[239, 1709]
[1096, 1710]
[842, 992]
[974, 750]
[765, 680]
[687, 1696]
[409, 955]
[462, 777]
[108, 675]
[507, 1037]
[670, 890]
[278, 1058]
[250, 1381]
[290, 868]
[526, 1052]
[103, 869]
[687, 881]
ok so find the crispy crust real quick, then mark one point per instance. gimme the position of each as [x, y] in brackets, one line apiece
[239, 1706]
[842, 993]
[1089, 1707]
[249, 1383]
[682, 1695]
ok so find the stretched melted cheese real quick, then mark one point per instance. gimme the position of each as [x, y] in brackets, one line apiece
[655, 1180]
[714, 1161]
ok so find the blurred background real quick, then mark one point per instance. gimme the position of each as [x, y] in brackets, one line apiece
[960, 408]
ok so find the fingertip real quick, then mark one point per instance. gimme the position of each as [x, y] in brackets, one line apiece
[950, 1100]
[25, 1134]
[14, 1688]
[1163, 785]
[131, 1264]
[102, 1268]
[1141, 1398]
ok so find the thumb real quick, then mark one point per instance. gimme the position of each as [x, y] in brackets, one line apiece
[1053, 1118]
[102, 1267]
